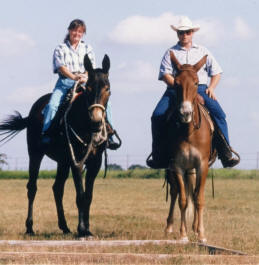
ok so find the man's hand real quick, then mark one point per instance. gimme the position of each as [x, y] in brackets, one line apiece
[210, 92]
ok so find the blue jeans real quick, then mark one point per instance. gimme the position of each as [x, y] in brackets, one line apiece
[158, 119]
[61, 88]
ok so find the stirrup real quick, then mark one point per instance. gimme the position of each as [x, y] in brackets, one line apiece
[150, 162]
[113, 145]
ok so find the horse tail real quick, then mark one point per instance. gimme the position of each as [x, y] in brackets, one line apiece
[11, 126]
[190, 184]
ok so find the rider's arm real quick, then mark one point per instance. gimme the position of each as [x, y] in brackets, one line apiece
[214, 80]
[168, 79]
[65, 72]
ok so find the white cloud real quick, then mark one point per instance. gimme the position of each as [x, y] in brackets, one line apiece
[242, 30]
[156, 30]
[145, 30]
[12, 42]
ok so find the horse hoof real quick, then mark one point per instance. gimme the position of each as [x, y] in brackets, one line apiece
[66, 231]
[184, 239]
[202, 241]
[30, 233]
[87, 235]
[168, 231]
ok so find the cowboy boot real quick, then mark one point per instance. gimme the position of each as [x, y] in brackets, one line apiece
[159, 157]
[225, 151]
[112, 145]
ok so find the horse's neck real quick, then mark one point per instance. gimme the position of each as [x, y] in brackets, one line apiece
[79, 115]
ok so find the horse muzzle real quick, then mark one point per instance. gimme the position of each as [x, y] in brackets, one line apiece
[96, 112]
[185, 112]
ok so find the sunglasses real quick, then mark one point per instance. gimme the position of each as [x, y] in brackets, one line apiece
[182, 32]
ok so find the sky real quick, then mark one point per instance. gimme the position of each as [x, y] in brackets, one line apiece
[135, 35]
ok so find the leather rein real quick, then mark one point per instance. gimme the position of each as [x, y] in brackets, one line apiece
[93, 143]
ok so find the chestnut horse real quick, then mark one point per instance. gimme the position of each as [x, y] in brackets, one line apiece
[80, 143]
[190, 150]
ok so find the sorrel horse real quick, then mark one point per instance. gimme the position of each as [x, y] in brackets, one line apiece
[190, 150]
[81, 143]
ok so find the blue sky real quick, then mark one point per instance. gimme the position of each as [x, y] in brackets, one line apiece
[135, 34]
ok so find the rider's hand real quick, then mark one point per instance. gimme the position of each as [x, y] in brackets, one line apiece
[82, 78]
[210, 92]
[76, 77]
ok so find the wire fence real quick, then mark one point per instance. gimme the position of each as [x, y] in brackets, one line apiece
[248, 161]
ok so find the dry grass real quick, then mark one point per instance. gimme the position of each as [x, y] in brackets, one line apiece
[135, 209]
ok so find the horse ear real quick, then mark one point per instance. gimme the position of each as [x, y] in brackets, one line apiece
[202, 61]
[88, 64]
[106, 64]
[175, 61]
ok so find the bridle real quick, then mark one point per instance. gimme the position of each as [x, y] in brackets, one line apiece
[194, 103]
[102, 135]
[96, 106]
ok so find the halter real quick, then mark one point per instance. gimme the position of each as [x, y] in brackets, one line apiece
[102, 134]
[96, 106]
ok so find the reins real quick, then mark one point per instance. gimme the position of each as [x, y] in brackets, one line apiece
[196, 125]
[93, 143]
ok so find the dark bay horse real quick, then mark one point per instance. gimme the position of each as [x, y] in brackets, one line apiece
[190, 150]
[81, 143]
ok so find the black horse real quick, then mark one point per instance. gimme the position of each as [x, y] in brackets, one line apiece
[80, 142]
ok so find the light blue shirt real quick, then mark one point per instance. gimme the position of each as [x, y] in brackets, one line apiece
[191, 56]
[73, 59]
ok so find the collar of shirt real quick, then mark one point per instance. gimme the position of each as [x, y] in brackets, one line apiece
[71, 47]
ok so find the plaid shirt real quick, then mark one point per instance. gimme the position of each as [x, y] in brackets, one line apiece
[191, 56]
[73, 59]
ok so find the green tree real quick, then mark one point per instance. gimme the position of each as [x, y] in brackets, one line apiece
[114, 167]
[137, 166]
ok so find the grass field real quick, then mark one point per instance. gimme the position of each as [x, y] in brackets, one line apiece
[132, 208]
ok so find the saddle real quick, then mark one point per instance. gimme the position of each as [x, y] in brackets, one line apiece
[57, 122]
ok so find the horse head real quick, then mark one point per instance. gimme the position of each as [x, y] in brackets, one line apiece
[186, 85]
[98, 91]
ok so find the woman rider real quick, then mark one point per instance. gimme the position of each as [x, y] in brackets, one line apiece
[68, 63]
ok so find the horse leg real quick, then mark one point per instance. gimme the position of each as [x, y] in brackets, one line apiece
[195, 221]
[58, 190]
[173, 193]
[199, 200]
[80, 199]
[93, 168]
[191, 174]
[34, 166]
[183, 206]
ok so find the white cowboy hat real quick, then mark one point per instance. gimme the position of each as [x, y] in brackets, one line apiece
[185, 23]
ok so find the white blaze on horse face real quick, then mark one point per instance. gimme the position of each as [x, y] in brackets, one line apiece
[186, 111]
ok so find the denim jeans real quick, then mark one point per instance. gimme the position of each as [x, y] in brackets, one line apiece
[158, 119]
[61, 88]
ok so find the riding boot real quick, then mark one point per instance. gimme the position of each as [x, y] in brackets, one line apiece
[112, 145]
[159, 157]
[157, 160]
[225, 151]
